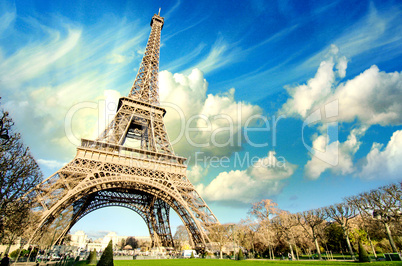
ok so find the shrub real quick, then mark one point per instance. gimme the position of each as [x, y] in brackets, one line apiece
[107, 256]
[363, 256]
[92, 257]
[14, 254]
[23, 253]
[240, 256]
[192, 255]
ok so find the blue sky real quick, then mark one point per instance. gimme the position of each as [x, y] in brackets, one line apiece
[64, 64]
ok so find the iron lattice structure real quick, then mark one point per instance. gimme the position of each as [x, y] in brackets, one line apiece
[148, 179]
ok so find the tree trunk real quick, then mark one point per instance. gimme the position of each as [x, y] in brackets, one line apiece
[372, 246]
[318, 248]
[349, 245]
[391, 240]
[220, 252]
[11, 241]
[269, 251]
[291, 251]
[252, 243]
[297, 252]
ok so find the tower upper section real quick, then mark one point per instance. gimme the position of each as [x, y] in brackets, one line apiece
[145, 87]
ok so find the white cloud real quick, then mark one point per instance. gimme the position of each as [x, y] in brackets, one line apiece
[307, 96]
[344, 152]
[215, 120]
[262, 179]
[373, 97]
[196, 173]
[51, 164]
[384, 163]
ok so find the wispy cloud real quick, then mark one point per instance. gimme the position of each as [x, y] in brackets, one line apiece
[274, 38]
[176, 32]
[30, 62]
[184, 60]
[323, 9]
[376, 29]
[171, 10]
[62, 65]
[220, 55]
[6, 20]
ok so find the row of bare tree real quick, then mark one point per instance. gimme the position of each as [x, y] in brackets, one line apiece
[372, 218]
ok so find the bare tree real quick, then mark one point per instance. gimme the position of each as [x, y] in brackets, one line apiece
[384, 208]
[16, 220]
[342, 213]
[364, 216]
[310, 221]
[181, 237]
[19, 173]
[264, 210]
[248, 230]
[395, 192]
[219, 233]
[283, 224]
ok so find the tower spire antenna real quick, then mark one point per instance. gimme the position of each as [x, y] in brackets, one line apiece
[159, 12]
[145, 87]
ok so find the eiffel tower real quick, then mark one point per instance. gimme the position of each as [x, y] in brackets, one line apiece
[148, 179]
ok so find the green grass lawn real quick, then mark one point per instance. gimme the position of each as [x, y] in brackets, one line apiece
[184, 262]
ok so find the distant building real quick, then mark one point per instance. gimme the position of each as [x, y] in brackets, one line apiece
[101, 243]
[79, 239]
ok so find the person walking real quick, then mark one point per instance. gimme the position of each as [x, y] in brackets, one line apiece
[290, 256]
